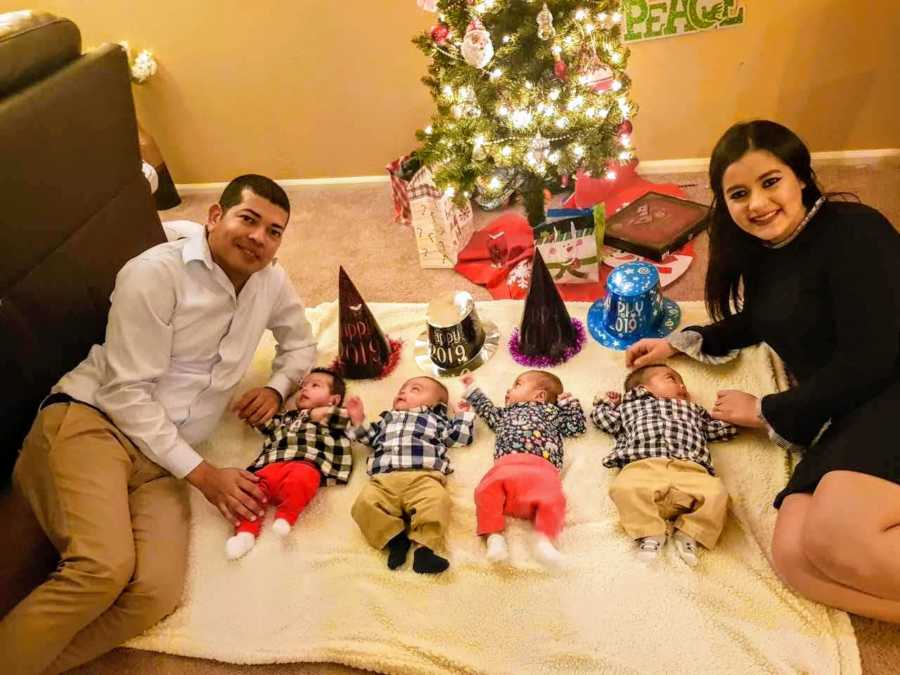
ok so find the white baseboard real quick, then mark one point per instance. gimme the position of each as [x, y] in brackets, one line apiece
[883, 156]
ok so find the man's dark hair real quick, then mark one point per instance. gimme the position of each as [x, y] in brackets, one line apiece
[260, 186]
[639, 375]
[338, 386]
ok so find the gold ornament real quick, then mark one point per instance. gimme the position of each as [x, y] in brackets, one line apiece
[545, 24]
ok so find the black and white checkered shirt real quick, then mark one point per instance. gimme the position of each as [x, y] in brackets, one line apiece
[417, 439]
[646, 426]
[292, 436]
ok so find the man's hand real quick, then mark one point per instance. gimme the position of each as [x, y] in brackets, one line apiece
[354, 406]
[648, 351]
[738, 408]
[320, 414]
[257, 405]
[235, 492]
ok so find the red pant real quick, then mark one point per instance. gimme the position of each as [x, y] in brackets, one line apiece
[288, 486]
[521, 485]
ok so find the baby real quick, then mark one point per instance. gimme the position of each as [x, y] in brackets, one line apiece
[667, 470]
[305, 446]
[524, 481]
[409, 468]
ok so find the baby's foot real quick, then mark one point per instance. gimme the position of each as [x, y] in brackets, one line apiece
[546, 552]
[281, 527]
[649, 548]
[426, 561]
[496, 548]
[398, 547]
[687, 548]
[238, 545]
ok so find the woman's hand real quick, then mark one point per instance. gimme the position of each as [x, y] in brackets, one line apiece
[648, 351]
[738, 408]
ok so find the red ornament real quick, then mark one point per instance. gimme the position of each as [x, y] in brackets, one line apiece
[626, 127]
[439, 34]
[559, 69]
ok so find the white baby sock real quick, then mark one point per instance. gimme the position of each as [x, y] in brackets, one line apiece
[496, 548]
[546, 552]
[281, 527]
[238, 545]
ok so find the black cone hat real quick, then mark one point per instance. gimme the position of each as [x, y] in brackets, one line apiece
[547, 328]
[364, 353]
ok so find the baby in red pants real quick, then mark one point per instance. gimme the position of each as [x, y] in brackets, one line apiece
[524, 481]
[305, 446]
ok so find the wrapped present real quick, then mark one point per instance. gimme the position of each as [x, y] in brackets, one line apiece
[400, 172]
[571, 247]
[442, 226]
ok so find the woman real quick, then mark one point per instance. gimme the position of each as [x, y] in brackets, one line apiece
[817, 280]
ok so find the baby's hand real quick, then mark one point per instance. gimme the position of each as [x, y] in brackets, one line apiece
[468, 380]
[564, 398]
[463, 406]
[320, 414]
[614, 397]
[355, 409]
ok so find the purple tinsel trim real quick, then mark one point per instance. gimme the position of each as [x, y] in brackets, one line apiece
[546, 361]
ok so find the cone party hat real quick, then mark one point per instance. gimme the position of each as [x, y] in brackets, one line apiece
[363, 350]
[547, 336]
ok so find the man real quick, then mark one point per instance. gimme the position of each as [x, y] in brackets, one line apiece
[102, 464]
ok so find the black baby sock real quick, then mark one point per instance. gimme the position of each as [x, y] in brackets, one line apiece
[426, 561]
[398, 547]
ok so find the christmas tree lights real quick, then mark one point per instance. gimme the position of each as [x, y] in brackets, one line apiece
[526, 92]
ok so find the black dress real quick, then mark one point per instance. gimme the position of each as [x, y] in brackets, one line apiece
[828, 303]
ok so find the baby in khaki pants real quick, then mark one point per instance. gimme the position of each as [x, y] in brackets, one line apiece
[661, 447]
[406, 501]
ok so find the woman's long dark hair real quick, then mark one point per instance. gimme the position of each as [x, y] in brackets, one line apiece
[732, 252]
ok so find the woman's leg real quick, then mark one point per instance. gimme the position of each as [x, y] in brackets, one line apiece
[794, 561]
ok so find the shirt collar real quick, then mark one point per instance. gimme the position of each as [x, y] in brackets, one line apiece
[197, 248]
[438, 408]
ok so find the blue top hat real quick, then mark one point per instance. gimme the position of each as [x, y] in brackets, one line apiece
[632, 309]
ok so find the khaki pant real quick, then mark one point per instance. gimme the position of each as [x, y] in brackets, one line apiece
[382, 507]
[650, 492]
[120, 524]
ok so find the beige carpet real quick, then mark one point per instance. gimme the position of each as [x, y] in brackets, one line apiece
[351, 225]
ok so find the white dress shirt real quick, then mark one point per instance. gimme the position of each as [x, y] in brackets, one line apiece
[178, 342]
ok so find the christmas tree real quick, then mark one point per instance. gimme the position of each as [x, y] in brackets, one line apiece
[527, 92]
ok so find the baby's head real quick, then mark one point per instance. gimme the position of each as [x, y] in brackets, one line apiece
[536, 386]
[320, 387]
[660, 380]
[420, 391]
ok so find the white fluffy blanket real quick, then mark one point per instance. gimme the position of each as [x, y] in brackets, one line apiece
[323, 594]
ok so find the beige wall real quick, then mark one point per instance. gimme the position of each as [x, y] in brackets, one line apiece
[315, 88]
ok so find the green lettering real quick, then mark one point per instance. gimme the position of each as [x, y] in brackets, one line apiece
[674, 14]
[633, 20]
[695, 17]
[654, 10]
[732, 19]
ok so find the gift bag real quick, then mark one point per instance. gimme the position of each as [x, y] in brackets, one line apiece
[400, 172]
[571, 248]
[442, 227]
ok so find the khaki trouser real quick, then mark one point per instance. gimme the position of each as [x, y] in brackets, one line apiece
[421, 496]
[650, 492]
[120, 524]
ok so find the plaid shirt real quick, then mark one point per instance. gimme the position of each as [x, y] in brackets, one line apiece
[646, 426]
[292, 436]
[533, 428]
[417, 439]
